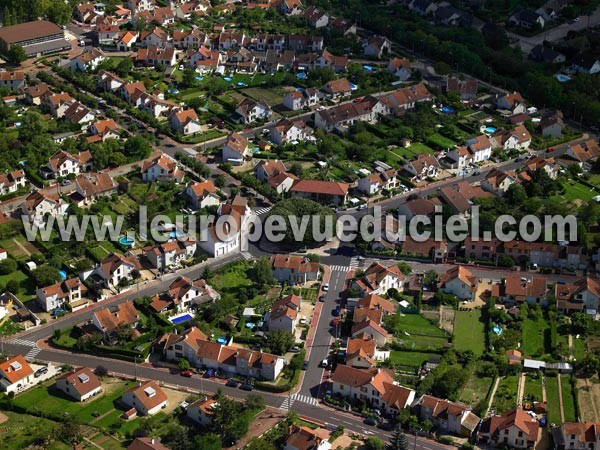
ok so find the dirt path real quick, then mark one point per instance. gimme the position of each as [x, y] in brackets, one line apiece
[560, 399]
[3, 418]
[570, 346]
[521, 389]
[441, 324]
[22, 247]
[592, 401]
[544, 388]
[492, 395]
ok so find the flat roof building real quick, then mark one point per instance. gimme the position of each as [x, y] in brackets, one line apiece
[39, 37]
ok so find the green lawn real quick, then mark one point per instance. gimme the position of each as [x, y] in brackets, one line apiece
[552, 399]
[414, 359]
[568, 397]
[533, 389]
[475, 390]
[417, 148]
[22, 430]
[574, 190]
[415, 332]
[535, 337]
[271, 96]
[439, 142]
[506, 394]
[469, 331]
[578, 348]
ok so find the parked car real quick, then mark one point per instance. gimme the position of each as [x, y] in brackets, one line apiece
[305, 365]
[322, 298]
[336, 311]
[550, 150]
[325, 287]
[246, 387]
[295, 349]
[186, 373]
[324, 363]
[371, 421]
[232, 383]
[38, 373]
[209, 373]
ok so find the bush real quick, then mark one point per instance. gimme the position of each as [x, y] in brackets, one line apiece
[7, 266]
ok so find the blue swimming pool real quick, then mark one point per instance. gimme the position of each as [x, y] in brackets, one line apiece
[353, 86]
[228, 79]
[368, 68]
[447, 109]
[199, 78]
[222, 340]
[563, 78]
[301, 75]
[124, 240]
[63, 274]
[242, 84]
[490, 130]
[173, 91]
[181, 319]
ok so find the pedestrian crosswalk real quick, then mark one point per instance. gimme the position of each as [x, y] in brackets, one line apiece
[247, 256]
[21, 342]
[337, 268]
[264, 210]
[289, 401]
[354, 262]
[31, 354]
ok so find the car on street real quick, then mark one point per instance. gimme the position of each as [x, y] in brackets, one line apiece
[305, 365]
[65, 182]
[295, 349]
[209, 373]
[550, 150]
[336, 311]
[186, 373]
[232, 383]
[324, 363]
[246, 387]
[303, 321]
[325, 287]
[371, 421]
[322, 298]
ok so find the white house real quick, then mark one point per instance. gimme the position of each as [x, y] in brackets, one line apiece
[480, 148]
[12, 181]
[284, 314]
[38, 204]
[250, 110]
[378, 181]
[170, 254]
[423, 166]
[514, 428]
[161, 168]
[400, 68]
[304, 438]
[146, 398]
[235, 149]
[450, 417]
[64, 292]
[287, 131]
[88, 60]
[378, 279]
[201, 411]
[113, 270]
[79, 384]
[301, 99]
[15, 374]
[294, 269]
[185, 122]
[202, 194]
[512, 102]
[459, 281]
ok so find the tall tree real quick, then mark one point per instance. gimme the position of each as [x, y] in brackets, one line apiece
[398, 440]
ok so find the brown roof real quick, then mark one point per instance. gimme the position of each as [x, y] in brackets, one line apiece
[515, 417]
[422, 206]
[374, 301]
[95, 183]
[149, 394]
[463, 274]
[320, 187]
[349, 376]
[82, 380]
[125, 314]
[272, 168]
[186, 116]
[202, 189]
[513, 98]
[586, 151]
[299, 264]
[338, 86]
[28, 30]
[12, 75]
[287, 306]
[396, 396]
[365, 348]
[15, 369]
[304, 438]
[237, 142]
[358, 327]
[104, 126]
[529, 287]
[146, 443]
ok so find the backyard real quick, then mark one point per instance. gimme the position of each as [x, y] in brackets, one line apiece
[533, 388]
[414, 332]
[469, 331]
[552, 399]
[412, 359]
[569, 406]
[535, 336]
[475, 390]
[506, 394]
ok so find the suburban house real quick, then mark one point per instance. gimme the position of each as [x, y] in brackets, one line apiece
[419, 207]
[585, 153]
[518, 138]
[202, 194]
[581, 295]
[527, 19]
[542, 53]
[294, 269]
[432, 249]
[104, 129]
[518, 289]
[304, 438]
[107, 320]
[146, 443]
[265, 170]
[161, 168]
[146, 398]
[14, 80]
[375, 386]
[113, 270]
[586, 62]
[367, 328]
[552, 125]
[514, 428]
[465, 89]
[78, 113]
[459, 281]
[250, 110]
[79, 384]
[284, 314]
[182, 294]
[204, 59]
[62, 164]
[512, 102]
[460, 197]
[185, 122]
[201, 411]
[337, 89]
[422, 7]
[12, 181]
[91, 186]
[326, 192]
[287, 131]
[406, 98]
[423, 166]
[15, 374]
[171, 254]
[497, 181]
[231, 360]
[297, 100]
[38, 205]
[576, 436]
[153, 56]
[378, 181]
[451, 417]
[378, 279]
[316, 18]
[225, 236]
[235, 149]
[58, 295]
[35, 93]
[377, 47]
[56, 104]
[480, 148]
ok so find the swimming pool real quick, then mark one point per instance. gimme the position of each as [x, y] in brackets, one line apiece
[63, 274]
[368, 68]
[199, 78]
[563, 78]
[124, 240]
[447, 109]
[490, 130]
[353, 87]
[301, 75]
[222, 340]
[228, 79]
[173, 91]
[183, 318]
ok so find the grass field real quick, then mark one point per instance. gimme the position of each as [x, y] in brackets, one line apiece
[417, 148]
[21, 430]
[533, 389]
[469, 331]
[578, 348]
[439, 142]
[415, 332]
[271, 96]
[506, 394]
[574, 190]
[552, 400]
[569, 407]
[415, 359]
[475, 389]
[534, 337]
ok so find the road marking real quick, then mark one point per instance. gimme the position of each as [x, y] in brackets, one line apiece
[338, 268]
[260, 211]
[305, 399]
[287, 403]
[32, 353]
[21, 342]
